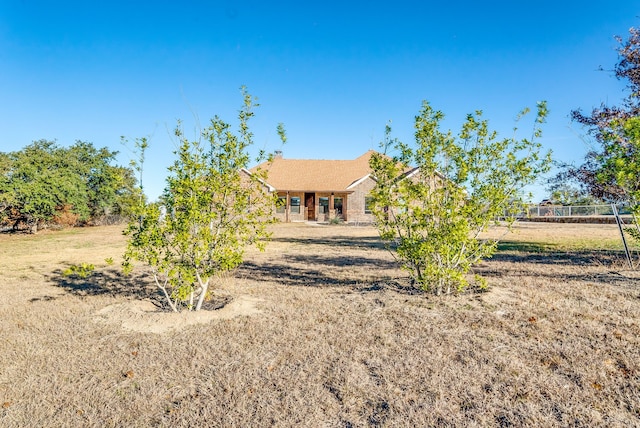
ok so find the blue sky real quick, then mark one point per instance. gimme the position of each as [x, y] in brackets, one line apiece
[333, 72]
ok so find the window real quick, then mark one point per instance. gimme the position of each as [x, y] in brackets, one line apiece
[295, 205]
[337, 204]
[368, 205]
[323, 205]
[281, 205]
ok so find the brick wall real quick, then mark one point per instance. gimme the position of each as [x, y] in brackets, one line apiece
[356, 206]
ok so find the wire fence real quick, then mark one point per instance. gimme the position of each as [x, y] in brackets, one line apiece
[572, 211]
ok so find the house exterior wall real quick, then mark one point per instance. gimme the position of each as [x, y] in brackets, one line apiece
[356, 212]
[332, 211]
[321, 215]
[286, 213]
[260, 196]
[353, 205]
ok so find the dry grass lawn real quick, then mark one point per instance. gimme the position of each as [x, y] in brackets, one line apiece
[321, 330]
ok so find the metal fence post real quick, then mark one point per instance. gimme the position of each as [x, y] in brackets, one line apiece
[614, 208]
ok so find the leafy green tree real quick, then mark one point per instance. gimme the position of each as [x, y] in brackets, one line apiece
[626, 161]
[211, 209]
[124, 194]
[623, 166]
[434, 199]
[109, 188]
[564, 190]
[7, 200]
[612, 172]
[43, 181]
[38, 181]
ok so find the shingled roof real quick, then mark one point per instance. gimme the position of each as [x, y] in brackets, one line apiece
[316, 175]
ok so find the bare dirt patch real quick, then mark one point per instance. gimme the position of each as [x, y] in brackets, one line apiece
[145, 317]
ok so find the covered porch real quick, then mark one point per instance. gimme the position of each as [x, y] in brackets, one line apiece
[312, 206]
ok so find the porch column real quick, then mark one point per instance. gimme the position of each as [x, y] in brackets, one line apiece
[331, 206]
[287, 209]
[345, 207]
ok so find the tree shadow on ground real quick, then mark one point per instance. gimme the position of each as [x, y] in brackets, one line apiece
[337, 241]
[559, 257]
[534, 252]
[319, 270]
[612, 277]
[340, 261]
[529, 247]
[112, 282]
[611, 263]
[107, 282]
[289, 275]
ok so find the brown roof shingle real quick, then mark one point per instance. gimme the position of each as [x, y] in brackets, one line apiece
[315, 175]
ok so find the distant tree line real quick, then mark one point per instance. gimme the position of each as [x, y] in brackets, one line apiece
[45, 184]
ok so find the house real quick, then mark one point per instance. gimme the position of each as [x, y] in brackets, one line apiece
[320, 190]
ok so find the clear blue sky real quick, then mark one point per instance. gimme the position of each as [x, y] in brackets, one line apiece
[334, 72]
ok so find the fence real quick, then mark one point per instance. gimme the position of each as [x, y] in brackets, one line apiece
[572, 211]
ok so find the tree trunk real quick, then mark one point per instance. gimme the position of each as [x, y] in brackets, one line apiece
[204, 286]
[163, 287]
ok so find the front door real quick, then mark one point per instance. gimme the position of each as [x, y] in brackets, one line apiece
[310, 204]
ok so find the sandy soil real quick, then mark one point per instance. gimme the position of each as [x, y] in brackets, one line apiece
[145, 317]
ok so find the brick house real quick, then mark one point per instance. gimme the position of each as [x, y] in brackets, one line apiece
[320, 190]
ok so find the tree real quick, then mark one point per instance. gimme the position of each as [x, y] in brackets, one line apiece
[564, 189]
[211, 209]
[41, 179]
[612, 172]
[7, 199]
[43, 182]
[433, 200]
[110, 190]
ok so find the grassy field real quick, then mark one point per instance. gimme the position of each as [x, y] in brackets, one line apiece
[321, 330]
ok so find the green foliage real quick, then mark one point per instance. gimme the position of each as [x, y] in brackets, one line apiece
[563, 191]
[82, 270]
[336, 220]
[626, 164]
[211, 209]
[612, 170]
[432, 200]
[623, 162]
[43, 180]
